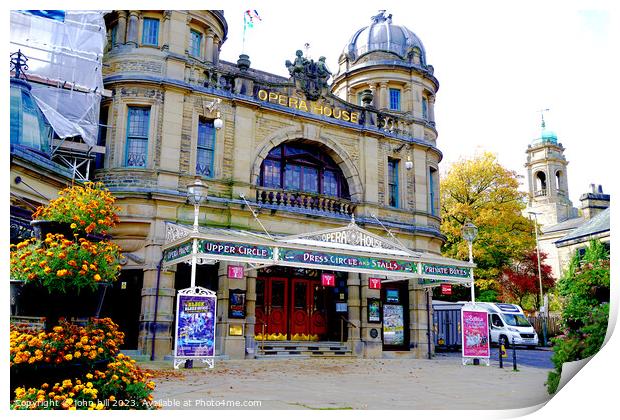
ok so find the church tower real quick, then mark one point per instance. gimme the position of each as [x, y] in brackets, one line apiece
[547, 179]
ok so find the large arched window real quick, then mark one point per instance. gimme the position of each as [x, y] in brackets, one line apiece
[299, 167]
[541, 183]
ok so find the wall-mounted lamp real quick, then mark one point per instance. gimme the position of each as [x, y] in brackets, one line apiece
[218, 122]
[409, 163]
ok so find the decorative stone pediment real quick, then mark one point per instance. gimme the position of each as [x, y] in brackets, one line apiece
[352, 236]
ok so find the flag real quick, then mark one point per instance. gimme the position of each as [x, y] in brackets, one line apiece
[250, 17]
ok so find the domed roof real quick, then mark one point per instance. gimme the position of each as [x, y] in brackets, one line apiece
[546, 136]
[383, 35]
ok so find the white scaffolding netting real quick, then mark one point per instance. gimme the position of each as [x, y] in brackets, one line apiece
[64, 56]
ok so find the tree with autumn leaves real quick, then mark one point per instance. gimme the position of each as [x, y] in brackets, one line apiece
[483, 191]
[521, 278]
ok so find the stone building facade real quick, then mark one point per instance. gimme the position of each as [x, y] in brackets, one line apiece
[305, 154]
[549, 204]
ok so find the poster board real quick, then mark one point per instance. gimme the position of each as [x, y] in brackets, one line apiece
[475, 333]
[194, 337]
[393, 325]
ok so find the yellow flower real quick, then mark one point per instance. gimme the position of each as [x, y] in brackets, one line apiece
[97, 277]
[73, 225]
[68, 357]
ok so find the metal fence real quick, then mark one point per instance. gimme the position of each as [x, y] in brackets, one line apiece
[554, 325]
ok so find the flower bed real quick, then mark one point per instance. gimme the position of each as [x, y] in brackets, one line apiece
[102, 378]
[122, 385]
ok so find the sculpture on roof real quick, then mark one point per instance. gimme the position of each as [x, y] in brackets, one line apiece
[309, 76]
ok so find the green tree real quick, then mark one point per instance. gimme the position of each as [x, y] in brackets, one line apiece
[483, 191]
[585, 290]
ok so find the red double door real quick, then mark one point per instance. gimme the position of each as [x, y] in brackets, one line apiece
[290, 307]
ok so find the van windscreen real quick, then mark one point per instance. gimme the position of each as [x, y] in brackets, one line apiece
[516, 320]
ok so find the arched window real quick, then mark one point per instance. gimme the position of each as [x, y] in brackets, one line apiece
[299, 167]
[558, 180]
[541, 184]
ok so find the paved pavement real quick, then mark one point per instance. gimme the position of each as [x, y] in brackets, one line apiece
[348, 383]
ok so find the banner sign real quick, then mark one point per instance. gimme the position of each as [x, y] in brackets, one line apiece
[179, 251]
[393, 325]
[347, 261]
[446, 271]
[259, 252]
[374, 283]
[328, 279]
[195, 329]
[475, 332]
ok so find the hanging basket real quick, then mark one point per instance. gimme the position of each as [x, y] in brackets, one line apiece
[43, 227]
[34, 301]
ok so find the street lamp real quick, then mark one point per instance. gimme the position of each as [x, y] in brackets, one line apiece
[470, 232]
[542, 308]
[196, 194]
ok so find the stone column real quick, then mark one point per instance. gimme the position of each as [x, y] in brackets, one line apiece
[217, 44]
[231, 346]
[431, 108]
[121, 30]
[383, 95]
[354, 309]
[373, 89]
[408, 98]
[250, 312]
[166, 30]
[132, 29]
[162, 326]
[209, 46]
[418, 320]
[351, 96]
[373, 347]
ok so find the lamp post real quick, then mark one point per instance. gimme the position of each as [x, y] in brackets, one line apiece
[470, 232]
[196, 195]
[543, 308]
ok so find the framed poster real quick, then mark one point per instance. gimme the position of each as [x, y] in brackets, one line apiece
[374, 310]
[195, 326]
[475, 332]
[393, 325]
[236, 303]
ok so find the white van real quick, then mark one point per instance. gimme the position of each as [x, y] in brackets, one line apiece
[507, 322]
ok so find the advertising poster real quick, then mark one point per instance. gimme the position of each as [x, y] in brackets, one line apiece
[236, 304]
[393, 325]
[374, 310]
[195, 331]
[475, 332]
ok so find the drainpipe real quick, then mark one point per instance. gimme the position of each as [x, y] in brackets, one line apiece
[154, 325]
[428, 321]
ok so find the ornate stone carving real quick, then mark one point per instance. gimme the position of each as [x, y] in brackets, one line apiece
[309, 76]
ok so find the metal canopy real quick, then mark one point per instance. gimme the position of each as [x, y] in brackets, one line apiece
[348, 249]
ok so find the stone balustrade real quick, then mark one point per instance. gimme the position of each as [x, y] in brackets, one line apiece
[303, 200]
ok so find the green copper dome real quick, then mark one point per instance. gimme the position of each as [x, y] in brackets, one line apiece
[546, 136]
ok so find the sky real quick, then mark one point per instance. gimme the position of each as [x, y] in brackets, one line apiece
[497, 66]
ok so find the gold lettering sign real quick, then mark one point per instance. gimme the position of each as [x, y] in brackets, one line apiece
[302, 105]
